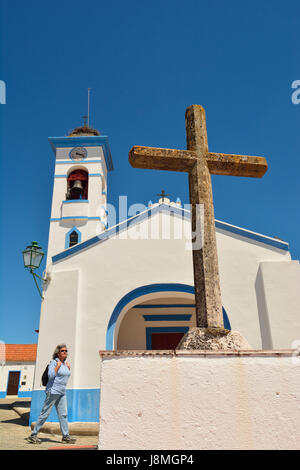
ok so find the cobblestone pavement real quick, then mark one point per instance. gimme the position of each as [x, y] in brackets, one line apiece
[14, 430]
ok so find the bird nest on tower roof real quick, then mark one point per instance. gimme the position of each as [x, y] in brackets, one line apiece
[84, 130]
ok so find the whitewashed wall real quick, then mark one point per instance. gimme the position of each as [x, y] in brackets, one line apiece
[278, 288]
[86, 287]
[197, 401]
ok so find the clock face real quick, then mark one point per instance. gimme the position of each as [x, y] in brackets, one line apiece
[78, 153]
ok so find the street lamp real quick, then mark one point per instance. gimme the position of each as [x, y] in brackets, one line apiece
[32, 256]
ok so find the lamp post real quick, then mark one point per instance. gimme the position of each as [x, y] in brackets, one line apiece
[32, 256]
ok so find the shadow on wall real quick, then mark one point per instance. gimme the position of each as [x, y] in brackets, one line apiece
[265, 329]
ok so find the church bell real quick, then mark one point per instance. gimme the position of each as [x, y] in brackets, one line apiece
[77, 189]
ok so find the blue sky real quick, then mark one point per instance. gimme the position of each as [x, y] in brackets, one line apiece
[145, 62]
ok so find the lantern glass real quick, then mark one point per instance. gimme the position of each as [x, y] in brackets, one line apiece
[33, 256]
[26, 257]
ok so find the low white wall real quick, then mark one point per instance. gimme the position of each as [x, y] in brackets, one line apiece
[197, 400]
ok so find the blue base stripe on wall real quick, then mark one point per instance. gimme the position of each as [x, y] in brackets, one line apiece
[25, 394]
[28, 394]
[83, 406]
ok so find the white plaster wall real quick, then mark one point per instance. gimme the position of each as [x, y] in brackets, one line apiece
[59, 229]
[239, 260]
[59, 323]
[198, 402]
[27, 374]
[111, 269]
[279, 286]
[108, 272]
[75, 210]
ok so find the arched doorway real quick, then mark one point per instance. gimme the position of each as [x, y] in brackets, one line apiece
[153, 317]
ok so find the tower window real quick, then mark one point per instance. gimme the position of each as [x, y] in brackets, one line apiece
[73, 238]
[77, 185]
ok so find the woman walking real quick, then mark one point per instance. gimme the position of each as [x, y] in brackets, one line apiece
[58, 375]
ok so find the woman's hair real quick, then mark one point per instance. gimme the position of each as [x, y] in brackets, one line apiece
[57, 349]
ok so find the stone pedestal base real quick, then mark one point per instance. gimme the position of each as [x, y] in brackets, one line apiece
[213, 339]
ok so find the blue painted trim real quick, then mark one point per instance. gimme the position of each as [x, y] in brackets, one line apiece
[74, 217]
[167, 329]
[152, 211]
[66, 176]
[253, 236]
[83, 405]
[68, 162]
[69, 201]
[134, 294]
[67, 237]
[25, 394]
[143, 290]
[167, 317]
[165, 306]
[84, 141]
[175, 317]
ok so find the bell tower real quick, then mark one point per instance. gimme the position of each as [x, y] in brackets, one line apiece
[82, 162]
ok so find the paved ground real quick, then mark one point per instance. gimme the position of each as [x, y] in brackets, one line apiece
[14, 429]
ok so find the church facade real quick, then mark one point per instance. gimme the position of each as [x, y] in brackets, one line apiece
[130, 286]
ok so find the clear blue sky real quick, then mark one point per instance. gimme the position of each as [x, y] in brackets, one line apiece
[145, 63]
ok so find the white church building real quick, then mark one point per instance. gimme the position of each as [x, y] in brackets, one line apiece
[130, 286]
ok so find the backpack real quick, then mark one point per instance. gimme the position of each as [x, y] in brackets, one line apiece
[45, 377]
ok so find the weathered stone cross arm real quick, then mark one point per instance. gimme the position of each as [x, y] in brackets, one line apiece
[184, 160]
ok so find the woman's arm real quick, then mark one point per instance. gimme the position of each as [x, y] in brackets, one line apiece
[53, 369]
[57, 367]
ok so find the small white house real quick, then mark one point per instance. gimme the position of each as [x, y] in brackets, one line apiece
[17, 369]
[131, 286]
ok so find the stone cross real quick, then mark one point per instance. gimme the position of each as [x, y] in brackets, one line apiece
[199, 163]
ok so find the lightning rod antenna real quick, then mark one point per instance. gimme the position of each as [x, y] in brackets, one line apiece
[89, 91]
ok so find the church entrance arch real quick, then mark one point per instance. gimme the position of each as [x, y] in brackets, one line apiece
[155, 316]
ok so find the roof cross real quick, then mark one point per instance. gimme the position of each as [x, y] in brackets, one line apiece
[163, 195]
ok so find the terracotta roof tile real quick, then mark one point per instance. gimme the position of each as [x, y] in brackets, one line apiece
[20, 352]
